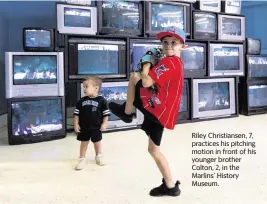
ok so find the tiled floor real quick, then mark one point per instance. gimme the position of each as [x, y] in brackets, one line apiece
[43, 173]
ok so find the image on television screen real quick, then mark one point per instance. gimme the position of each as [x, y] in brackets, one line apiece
[164, 15]
[193, 57]
[231, 26]
[257, 66]
[75, 17]
[212, 4]
[114, 94]
[34, 69]
[257, 95]
[38, 38]
[184, 99]
[205, 23]
[234, 3]
[226, 58]
[139, 49]
[35, 117]
[254, 46]
[98, 59]
[213, 96]
[122, 15]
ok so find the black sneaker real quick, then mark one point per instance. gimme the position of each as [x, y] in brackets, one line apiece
[163, 190]
[119, 111]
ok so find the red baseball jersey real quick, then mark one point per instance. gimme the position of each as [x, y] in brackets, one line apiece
[169, 76]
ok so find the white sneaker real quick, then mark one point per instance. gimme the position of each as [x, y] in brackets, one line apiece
[99, 160]
[80, 163]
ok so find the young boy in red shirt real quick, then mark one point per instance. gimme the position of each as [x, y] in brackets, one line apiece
[160, 105]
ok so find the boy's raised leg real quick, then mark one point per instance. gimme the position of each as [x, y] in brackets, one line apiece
[124, 111]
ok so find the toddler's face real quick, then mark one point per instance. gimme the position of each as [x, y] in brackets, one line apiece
[89, 88]
[172, 46]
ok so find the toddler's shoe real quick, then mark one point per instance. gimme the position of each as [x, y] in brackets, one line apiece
[80, 163]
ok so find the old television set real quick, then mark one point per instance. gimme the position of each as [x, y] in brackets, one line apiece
[38, 39]
[138, 47]
[120, 17]
[105, 58]
[30, 74]
[214, 98]
[194, 59]
[226, 60]
[231, 6]
[209, 5]
[204, 25]
[231, 28]
[184, 110]
[36, 119]
[117, 92]
[75, 19]
[253, 46]
[161, 14]
[253, 95]
[78, 2]
[256, 66]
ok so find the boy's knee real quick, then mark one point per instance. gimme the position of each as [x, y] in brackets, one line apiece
[153, 150]
[135, 77]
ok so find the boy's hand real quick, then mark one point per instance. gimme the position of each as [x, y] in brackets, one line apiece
[103, 126]
[77, 128]
[146, 69]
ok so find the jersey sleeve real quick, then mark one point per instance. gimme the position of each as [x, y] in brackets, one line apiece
[104, 108]
[78, 108]
[163, 71]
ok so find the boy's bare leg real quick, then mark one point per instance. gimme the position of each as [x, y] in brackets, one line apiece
[161, 162]
[83, 148]
[134, 78]
[81, 160]
[98, 148]
[98, 153]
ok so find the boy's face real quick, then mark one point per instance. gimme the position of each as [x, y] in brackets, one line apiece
[172, 46]
[89, 88]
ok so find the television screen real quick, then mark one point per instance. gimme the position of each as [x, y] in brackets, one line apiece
[164, 15]
[213, 96]
[34, 117]
[98, 59]
[257, 95]
[114, 94]
[34, 69]
[77, 17]
[122, 15]
[253, 46]
[234, 3]
[37, 38]
[184, 99]
[231, 26]
[226, 58]
[193, 57]
[139, 49]
[205, 22]
[257, 66]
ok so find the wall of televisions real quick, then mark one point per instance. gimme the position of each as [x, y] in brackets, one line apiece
[107, 39]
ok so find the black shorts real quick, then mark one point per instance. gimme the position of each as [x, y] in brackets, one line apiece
[151, 124]
[93, 135]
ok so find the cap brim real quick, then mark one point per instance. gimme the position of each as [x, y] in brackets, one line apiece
[164, 34]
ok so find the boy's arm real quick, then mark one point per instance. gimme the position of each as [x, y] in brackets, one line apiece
[105, 113]
[76, 118]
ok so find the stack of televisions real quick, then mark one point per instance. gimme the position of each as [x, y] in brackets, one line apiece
[253, 86]
[107, 39]
[35, 89]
